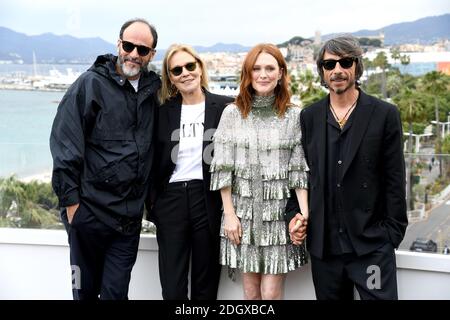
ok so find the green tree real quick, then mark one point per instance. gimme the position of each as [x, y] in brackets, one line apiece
[310, 90]
[366, 42]
[294, 84]
[437, 85]
[12, 197]
[27, 205]
[395, 54]
[446, 145]
[405, 60]
[418, 128]
[412, 109]
[368, 65]
[443, 181]
[394, 83]
[381, 61]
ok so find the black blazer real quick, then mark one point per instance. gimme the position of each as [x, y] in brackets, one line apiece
[169, 115]
[373, 181]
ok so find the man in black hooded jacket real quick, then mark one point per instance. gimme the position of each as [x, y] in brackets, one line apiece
[101, 144]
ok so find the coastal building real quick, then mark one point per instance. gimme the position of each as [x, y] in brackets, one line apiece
[420, 63]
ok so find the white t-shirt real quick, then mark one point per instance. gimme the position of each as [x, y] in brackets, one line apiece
[190, 152]
[135, 84]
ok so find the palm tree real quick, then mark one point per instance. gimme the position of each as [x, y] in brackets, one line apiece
[394, 82]
[395, 54]
[405, 60]
[436, 84]
[381, 61]
[367, 66]
[310, 89]
[412, 109]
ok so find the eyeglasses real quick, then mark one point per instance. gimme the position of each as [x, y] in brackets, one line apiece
[345, 63]
[190, 66]
[128, 47]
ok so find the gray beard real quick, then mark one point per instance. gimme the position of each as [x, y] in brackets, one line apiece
[127, 71]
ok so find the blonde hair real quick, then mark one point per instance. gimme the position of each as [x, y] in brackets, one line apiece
[168, 90]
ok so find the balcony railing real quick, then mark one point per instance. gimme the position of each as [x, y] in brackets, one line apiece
[35, 262]
[35, 265]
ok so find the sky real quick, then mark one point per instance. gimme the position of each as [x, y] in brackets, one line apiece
[207, 22]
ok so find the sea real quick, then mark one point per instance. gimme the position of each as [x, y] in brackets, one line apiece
[39, 69]
[26, 119]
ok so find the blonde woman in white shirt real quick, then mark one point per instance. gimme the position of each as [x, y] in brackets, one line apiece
[186, 213]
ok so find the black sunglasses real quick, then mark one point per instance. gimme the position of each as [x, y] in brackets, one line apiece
[345, 63]
[190, 66]
[128, 47]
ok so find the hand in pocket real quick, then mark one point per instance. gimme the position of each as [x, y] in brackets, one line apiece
[71, 211]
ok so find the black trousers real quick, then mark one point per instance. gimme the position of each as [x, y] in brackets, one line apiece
[101, 258]
[183, 234]
[374, 275]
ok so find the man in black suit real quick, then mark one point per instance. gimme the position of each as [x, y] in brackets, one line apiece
[353, 146]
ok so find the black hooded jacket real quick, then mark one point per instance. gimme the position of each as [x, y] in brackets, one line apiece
[101, 144]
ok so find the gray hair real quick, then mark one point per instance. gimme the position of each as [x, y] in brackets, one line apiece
[342, 46]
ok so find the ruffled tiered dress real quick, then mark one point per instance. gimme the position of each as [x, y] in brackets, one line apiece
[261, 158]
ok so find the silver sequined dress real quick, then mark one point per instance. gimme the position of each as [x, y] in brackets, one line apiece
[261, 158]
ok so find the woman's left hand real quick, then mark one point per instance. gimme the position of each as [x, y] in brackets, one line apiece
[232, 228]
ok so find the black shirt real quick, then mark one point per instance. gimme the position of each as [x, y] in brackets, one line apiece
[336, 238]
